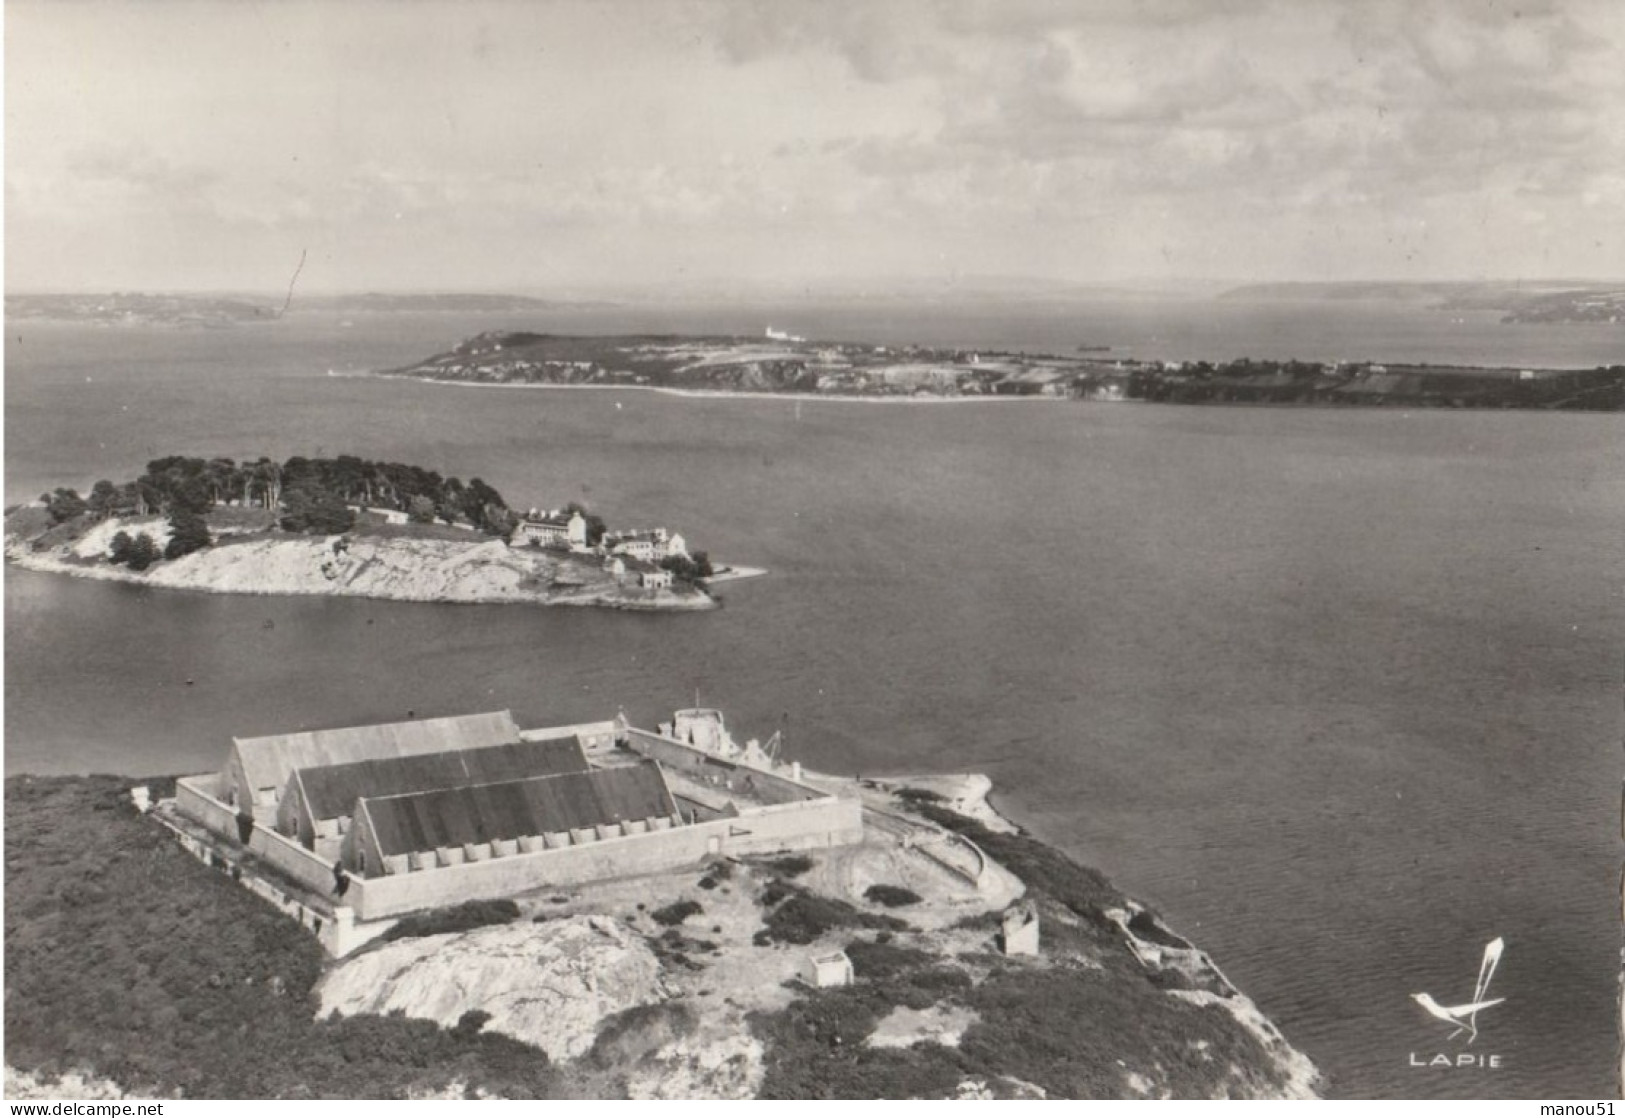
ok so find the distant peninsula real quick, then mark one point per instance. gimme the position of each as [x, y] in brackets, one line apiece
[187, 311]
[1547, 302]
[347, 526]
[780, 363]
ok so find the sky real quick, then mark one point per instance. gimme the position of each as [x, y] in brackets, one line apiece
[692, 145]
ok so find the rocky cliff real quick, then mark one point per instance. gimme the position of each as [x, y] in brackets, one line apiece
[414, 570]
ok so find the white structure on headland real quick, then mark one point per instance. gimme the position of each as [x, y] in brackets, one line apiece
[781, 336]
[1021, 929]
[649, 544]
[657, 579]
[371, 822]
[823, 971]
[553, 529]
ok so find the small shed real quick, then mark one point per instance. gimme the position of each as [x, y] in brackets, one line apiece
[823, 971]
[1021, 929]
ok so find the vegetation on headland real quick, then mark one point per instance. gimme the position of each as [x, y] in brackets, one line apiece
[314, 495]
[795, 366]
[129, 960]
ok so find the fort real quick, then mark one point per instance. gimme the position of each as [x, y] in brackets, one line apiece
[356, 826]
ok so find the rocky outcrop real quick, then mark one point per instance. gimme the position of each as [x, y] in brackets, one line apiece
[412, 570]
[549, 984]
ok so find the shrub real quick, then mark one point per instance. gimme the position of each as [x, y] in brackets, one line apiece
[138, 554]
[791, 865]
[187, 533]
[892, 896]
[803, 917]
[775, 892]
[471, 1022]
[883, 960]
[674, 914]
[637, 1033]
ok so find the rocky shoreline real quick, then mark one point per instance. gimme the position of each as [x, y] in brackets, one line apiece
[484, 570]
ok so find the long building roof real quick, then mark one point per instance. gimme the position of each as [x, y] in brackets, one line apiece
[332, 790]
[511, 810]
[269, 761]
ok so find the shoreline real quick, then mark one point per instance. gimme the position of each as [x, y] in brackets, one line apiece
[970, 795]
[724, 394]
[211, 572]
[1377, 402]
[731, 573]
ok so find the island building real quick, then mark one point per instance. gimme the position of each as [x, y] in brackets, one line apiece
[552, 529]
[367, 823]
[649, 544]
[657, 578]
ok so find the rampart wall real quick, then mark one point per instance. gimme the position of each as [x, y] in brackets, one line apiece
[795, 817]
[806, 825]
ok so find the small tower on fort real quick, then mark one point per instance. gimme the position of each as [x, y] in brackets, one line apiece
[1021, 929]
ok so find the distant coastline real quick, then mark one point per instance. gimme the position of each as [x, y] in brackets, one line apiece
[779, 366]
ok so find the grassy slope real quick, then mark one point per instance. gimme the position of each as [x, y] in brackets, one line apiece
[128, 958]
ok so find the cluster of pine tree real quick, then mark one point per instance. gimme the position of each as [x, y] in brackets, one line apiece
[315, 495]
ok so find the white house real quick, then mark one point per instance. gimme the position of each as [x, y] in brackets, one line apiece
[649, 544]
[553, 530]
[655, 580]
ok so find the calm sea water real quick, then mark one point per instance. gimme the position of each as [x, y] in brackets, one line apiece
[1339, 692]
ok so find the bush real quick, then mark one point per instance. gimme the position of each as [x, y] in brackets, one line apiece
[883, 960]
[775, 892]
[470, 1023]
[803, 917]
[792, 865]
[892, 896]
[674, 914]
[138, 553]
[187, 533]
[636, 1033]
[317, 512]
[64, 504]
[420, 510]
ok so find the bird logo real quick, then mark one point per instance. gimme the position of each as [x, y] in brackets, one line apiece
[1465, 1017]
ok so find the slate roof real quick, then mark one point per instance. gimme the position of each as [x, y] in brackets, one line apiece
[511, 810]
[332, 790]
[269, 761]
